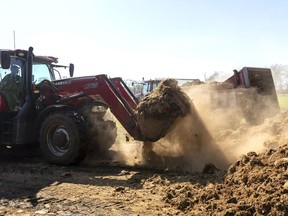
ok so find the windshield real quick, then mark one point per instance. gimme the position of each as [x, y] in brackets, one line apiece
[149, 86]
[41, 72]
[145, 89]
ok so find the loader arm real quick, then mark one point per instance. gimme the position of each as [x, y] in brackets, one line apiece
[125, 91]
[114, 92]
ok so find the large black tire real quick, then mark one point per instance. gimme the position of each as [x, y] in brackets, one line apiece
[63, 138]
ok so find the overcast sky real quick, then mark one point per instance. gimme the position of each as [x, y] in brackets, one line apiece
[150, 38]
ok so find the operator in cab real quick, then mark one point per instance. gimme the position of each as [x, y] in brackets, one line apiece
[10, 87]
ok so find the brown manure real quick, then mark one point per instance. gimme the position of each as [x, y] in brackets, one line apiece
[158, 110]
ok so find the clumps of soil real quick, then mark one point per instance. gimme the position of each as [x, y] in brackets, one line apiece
[193, 83]
[158, 110]
[257, 184]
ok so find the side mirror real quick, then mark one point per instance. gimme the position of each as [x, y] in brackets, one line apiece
[71, 69]
[5, 59]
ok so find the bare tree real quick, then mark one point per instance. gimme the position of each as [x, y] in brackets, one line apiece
[217, 76]
[134, 86]
[213, 77]
[280, 76]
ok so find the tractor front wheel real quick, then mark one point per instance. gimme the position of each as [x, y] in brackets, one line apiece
[62, 138]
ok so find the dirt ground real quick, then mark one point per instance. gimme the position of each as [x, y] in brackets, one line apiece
[247, 174]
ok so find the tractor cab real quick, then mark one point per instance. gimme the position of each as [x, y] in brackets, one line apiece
[14, 79]
[21, 76]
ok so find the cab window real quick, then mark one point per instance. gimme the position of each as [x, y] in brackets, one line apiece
[40, 72]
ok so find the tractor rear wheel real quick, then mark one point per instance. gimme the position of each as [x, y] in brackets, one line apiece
[63, 138]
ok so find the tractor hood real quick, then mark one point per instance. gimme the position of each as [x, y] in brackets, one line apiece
[77, 84]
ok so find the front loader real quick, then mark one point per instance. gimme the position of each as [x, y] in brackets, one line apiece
[60, 114]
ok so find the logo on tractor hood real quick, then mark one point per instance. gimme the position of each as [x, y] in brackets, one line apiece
[91, 85]
[64, 82]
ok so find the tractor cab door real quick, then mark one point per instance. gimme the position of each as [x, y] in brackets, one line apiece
[12, 98]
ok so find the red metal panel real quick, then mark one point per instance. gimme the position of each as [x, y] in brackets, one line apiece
[127, 95]
[3, 106]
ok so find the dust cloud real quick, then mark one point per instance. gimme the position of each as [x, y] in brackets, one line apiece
[193, 145]
[214, 132]
[102, 135]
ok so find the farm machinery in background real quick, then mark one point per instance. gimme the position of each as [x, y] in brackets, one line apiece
[144, 87]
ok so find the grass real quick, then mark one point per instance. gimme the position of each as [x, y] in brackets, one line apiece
[283, 101]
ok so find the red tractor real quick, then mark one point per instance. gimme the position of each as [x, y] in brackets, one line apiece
[58, 114]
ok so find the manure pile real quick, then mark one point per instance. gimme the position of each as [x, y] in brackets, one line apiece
[257, 184]
[158, 110]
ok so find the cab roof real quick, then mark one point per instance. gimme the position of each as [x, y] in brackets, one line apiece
[23, 54]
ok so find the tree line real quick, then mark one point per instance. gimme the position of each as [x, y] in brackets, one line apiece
[280, 76]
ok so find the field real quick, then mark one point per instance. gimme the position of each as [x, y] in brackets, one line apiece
[283, 101]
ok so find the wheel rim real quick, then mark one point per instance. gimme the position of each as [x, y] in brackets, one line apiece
[58, 140]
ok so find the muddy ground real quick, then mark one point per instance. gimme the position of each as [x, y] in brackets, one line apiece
[247, 174]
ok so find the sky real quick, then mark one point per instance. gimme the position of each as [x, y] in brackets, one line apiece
[149, 39]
